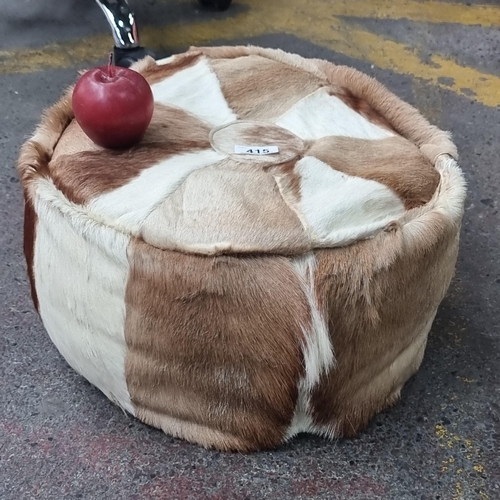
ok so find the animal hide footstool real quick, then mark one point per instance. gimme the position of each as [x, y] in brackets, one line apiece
[267, 261]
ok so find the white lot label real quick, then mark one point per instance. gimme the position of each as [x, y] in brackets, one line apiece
[256, 150]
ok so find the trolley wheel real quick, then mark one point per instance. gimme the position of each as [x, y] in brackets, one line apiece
[216, 4]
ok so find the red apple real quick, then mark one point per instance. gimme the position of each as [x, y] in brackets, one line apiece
[113, 105]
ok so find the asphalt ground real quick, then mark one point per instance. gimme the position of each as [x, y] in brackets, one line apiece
[60, 438]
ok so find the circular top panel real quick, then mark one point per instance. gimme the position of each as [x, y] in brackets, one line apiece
[254, 150]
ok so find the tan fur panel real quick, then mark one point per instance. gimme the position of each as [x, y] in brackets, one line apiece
[155, 73]
[72, 141]
[236, 194]
[293, 60]
[394, 161]
[215, 342]
[380, 297]
[243, 79]
[82, 170]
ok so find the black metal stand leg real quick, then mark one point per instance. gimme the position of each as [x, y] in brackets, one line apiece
[127, 57]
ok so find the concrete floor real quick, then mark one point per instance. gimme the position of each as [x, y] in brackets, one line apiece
[60, 437]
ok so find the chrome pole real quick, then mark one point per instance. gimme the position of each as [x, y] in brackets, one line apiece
[122, 22]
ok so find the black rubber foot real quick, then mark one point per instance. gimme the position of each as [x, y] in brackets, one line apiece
[216, 4]
[127, 57]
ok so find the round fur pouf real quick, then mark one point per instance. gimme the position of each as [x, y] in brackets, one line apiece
[267, 261]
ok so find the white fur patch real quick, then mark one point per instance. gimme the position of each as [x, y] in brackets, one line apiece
[196, 90]
[127, 207]
[320, 115]
[166, 60]
[339, 208]
[81, 270]
[452, 190]
[318, 352]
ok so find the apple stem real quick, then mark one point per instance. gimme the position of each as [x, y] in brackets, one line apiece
[110, 65]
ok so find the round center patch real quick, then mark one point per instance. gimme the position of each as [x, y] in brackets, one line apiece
[258, 141]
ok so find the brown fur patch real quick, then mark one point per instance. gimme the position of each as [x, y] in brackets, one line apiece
[273, 136]
[394, 161]
[288, 179]
[360, 106]
[379, 297]
[32, 163]
[193, 432]
[242, 81]
[215, 341]
[82, 170]
[30, 223]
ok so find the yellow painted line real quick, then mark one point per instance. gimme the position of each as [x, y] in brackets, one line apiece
[55, 55]
[314, 21]
[386, 54]
[428, 11]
